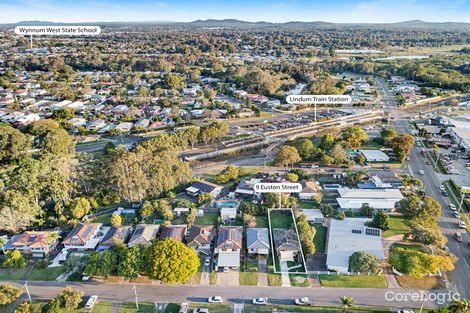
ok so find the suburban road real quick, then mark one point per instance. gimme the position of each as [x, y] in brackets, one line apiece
[460, 277]
[231, 294]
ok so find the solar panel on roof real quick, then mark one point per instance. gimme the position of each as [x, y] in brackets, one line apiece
[373, 232]
[87, 231]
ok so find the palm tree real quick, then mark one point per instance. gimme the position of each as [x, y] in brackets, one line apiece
[460, 306]
[347, 302]
[442, 309]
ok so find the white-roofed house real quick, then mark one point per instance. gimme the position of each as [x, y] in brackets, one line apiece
[375, 156]
[379, 199]
[348, 236]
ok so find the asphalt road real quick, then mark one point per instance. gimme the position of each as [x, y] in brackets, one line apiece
[231, 294]
[447, 222]
[460, 277]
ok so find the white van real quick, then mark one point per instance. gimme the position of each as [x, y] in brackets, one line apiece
[91, 302]
[184, 307]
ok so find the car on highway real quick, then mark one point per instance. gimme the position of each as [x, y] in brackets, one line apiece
[303, 301]
[207, 262]
[441, 187]
[462, 224]
[456, 214]
[458, 237]
[428, 163]
[445, 194]
[201, 310]
[260, 301]
[452, 207]
[421, 172]
[215, 299]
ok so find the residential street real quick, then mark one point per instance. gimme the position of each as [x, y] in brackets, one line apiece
[231, 294]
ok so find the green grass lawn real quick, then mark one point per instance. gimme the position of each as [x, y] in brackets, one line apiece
[274, 279]
[420, 283]
[316, 309]
[214, 308]
[33, 274]
[102, 307]
[413, 246]
[305, 205]
[45, 273]
[262, 222]
[320, 238]
[179, 220]
[281, 219]
[344, 281]
[397, 226]
[129, 307]
[105, 219]
[249, 278]
[213, 278]
[12, 273]
[172, 308]
[207, 219]
[299, 280]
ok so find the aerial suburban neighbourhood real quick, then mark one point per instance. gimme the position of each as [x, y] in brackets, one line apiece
[164, 163]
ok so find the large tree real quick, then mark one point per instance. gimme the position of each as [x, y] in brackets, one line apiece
[13, 144]
[354, 136]
[171, 261]
[287, 155]
[364, 262]
[9, 293]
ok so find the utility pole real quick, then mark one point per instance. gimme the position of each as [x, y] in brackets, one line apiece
[27, 291]
[136, 300]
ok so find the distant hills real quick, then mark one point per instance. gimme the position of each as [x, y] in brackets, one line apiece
[234, 23]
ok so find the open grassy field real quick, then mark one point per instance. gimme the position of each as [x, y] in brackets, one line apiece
[249, 278]
[345, 281]
[397, 226]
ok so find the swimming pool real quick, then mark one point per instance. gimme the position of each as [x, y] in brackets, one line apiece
[226, 204]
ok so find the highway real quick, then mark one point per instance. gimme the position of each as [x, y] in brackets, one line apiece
[460, 277]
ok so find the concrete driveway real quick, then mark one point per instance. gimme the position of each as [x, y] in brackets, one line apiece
[230, 278]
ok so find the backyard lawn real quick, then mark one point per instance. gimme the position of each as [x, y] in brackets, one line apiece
[320, 238]
[281, 219]
[207, 219]
[262, 222]
[345, 281]
[397, 226]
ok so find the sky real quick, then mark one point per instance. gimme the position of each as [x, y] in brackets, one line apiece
[340, 11]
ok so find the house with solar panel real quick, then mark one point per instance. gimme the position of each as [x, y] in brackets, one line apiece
[85, 236]
[348, 236]
[143, 234]
[204, 187]
[116, 236]
[228, 247]
[34, 243]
